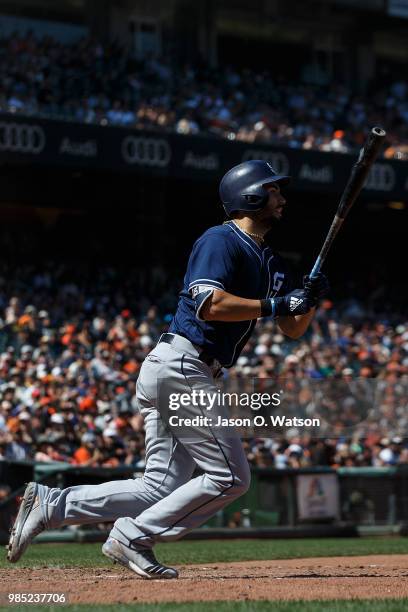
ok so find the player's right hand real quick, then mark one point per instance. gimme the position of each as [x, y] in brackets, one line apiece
[297, 302]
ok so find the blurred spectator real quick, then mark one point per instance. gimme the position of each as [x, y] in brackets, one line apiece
[104, 84]
[71, 346]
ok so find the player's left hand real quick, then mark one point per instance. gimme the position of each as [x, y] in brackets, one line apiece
[316, 287]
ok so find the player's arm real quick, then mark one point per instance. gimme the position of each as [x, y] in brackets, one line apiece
[294, 310]
[226, 307]
[295, 327]
[223, 306]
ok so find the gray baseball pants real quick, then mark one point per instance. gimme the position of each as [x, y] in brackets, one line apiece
[166, 502]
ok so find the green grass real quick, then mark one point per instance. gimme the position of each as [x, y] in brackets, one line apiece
[215, 551]
[337, 605]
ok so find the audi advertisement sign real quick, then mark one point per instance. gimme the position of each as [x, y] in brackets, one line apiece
[72, 145]
[154, 152]
[22, 138]
[279, 161]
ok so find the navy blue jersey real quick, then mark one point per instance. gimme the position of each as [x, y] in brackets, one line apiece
[224, 257]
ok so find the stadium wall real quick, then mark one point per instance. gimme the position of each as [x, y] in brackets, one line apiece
[58, 144]
[288, 502]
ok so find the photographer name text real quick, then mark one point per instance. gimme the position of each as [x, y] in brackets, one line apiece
[255, 421]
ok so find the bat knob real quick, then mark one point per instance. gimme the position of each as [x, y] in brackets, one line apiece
[377, 131]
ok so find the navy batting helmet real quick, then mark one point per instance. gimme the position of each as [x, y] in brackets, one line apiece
[241, 188]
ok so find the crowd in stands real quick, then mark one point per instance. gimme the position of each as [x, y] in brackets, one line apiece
[103, 84]
[72, 343]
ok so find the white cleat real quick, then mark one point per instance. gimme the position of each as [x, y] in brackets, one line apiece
[28, 524]
[139, 559]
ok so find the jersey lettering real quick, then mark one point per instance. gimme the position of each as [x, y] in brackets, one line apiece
[278, 279]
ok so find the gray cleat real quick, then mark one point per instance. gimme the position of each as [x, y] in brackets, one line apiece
[28, 524]
[139, 559]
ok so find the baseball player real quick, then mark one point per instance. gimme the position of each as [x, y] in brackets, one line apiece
[232, 279]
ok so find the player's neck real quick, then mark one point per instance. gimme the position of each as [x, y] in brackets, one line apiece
[251, 226]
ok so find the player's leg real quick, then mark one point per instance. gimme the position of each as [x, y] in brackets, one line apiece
[193, 503]
[220, 456]
[168, 465]
[226, 476]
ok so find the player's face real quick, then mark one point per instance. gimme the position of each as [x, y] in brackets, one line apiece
[276, 202]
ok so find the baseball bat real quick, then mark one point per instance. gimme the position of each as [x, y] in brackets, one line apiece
[358, 175]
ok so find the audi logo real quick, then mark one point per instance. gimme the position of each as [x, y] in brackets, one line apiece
[278, 161]
[146, 151]
[21, 138]
[381, 178]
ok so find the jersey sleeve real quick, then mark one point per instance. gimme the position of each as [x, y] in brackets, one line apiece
[211, 263]
[211, 267]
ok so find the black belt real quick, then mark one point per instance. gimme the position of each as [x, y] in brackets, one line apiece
[203, 356]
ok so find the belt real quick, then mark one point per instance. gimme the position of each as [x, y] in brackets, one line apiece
[184, 345]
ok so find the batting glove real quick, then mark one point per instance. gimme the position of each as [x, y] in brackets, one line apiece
[296, 302]
[316, 287]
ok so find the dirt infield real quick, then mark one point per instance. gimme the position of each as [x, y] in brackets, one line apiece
[377, 576]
